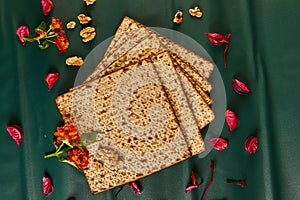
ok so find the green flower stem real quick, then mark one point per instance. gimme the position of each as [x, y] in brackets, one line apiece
[51, 41]
[51, 36]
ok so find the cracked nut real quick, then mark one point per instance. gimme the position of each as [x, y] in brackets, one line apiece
[71, 25]
[83, 19]
[195, 12]
[74, 61]
[178, 17]
[89, 2]
[87, 34]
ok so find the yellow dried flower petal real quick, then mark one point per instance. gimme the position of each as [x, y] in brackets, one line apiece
[196, 12]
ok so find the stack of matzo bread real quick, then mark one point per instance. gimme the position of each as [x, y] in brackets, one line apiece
[142, 108]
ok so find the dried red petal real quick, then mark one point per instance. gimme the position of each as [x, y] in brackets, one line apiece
[47, 185]
[218, 39]
[241, 183]
[218, 143]
[251, 144]
[240, 87]
[231, 120]
[16, 132]
[135, 188]
[46, 6]
[51, 79]
[194, 183]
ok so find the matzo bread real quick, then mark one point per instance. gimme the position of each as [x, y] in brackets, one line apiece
[145, 139]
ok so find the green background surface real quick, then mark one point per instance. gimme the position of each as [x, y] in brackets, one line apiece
[264, 52]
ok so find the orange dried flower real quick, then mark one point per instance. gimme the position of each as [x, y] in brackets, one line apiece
[80, 157]
[56, 23]
[66, 132]
[62, 41]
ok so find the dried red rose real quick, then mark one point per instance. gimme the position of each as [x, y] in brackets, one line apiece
[80, 157]
[51, 79]
[218, 143]
[240, 87]
[231, 120]
[46, 6]
[218, 39]
[251, 144]
[56, 23]
[22, 31]
[194, 183]
[241, 183]
[47, 185]
[61, 41]
[16, 132]
[67, 132]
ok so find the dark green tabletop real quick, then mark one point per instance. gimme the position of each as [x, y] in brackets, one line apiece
[264, 52]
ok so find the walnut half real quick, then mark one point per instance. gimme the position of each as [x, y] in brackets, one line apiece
[71, 25]
[178, 17]
[74, 61]
[195, 12]
[89, 2]
[87, 34]
[83, 19]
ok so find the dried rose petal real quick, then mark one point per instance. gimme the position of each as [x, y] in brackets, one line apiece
[22, 31]
[218, 143]
[46, 6]
[51, 79]
[218, 39]
[231, 120]
[241, 183]
[240, 87]
[135, 188]
[251, 144]
[194, 183]
[16, 132]
[47, 185]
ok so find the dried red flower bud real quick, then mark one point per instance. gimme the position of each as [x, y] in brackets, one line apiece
[241, 183]
[56, 23]
[46, 6]
[47, 185]
[231, 120]
[240, 87]
[62, 41]
[80, 157]
[218, 143]
[218, 39]
[194, 183]
[212, 169]
[16, 132]
[51, 79]
[22, 31]
[251, 144]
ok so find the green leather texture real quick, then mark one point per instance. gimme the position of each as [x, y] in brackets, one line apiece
[264, 51]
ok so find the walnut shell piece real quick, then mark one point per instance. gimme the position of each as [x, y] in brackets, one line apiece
[83, 19]
[195, 12]
[71, 25]
[89, 2]
[87, 34]
[178, 17]
[74, 61]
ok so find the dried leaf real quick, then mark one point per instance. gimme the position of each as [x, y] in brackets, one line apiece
[231, 120]
[251, 144]
[16, 132]
[240, 87]
[47, 185]
[218, 143]
[51, 79]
